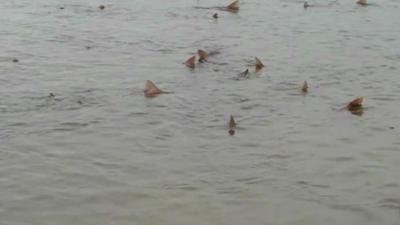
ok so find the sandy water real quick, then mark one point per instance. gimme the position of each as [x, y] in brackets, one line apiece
[101, 153]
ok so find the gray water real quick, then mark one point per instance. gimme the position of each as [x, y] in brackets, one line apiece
[99, 152]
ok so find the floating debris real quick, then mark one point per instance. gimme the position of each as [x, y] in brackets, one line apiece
[215, 16]
[234, 6]
[203, 55]
[232, 126]
[190, 62]
[151, 90]
[304, 88]
[259, 64]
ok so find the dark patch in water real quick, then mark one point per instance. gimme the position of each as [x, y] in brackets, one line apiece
[343, 159]
[250, 180]
[278, 156]
[390, 203]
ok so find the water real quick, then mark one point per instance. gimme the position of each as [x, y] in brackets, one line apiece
[101, 153]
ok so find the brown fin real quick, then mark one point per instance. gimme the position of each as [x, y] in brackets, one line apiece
[190, 62]
[232, 126]
[215, 16]
[234, 6]
[304, 89]
[151, 90]
[203, 55]
[356, 104]
[259, 64]
[362, 2]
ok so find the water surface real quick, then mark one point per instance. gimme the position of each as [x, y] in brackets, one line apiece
[100, 153]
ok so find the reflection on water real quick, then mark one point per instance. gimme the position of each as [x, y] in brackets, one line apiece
[97, 151]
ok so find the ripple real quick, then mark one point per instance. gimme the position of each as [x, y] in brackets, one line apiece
[185, 187]
[250, 180]
[390, 203]
[278, 156]
[342, 159]
[70, 126]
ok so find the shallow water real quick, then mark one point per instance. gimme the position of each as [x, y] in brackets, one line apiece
[101, 153]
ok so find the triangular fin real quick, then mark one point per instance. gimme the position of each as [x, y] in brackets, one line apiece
[259, 64]
[356, 104]
[191, 62]
[203, 55]
[304, 88]
[151, 90]
[234, 6]
[232, 126]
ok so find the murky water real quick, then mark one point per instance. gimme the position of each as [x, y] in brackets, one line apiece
[100, 153]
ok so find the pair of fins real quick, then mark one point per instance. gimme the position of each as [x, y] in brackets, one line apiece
[354, 106]
[151, 90]
[203, 57]
[245, 74]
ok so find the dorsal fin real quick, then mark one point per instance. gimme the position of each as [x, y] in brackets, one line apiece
[232, 126]
[362, 2]
[151, 90]
[304, 88]
[190, 62]
[244, 74]
[355, 104]
[234, 6]
[203, 55]
[259, 64]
